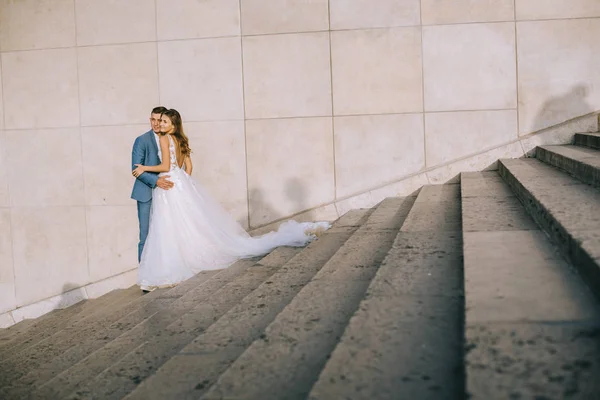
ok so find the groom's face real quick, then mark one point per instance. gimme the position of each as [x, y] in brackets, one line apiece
[155, 122]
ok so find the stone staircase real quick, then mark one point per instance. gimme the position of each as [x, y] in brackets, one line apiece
[479, 289]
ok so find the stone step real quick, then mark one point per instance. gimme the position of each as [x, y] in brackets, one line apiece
[101, 348]
[49, 325]
[405, 340]
[21, 328]
[110, 322]
[95, 360]
[79, 374]
[55, 320]
[564, 207]
[290, 354]
[530, 319]
[198, 365]
[591, 140]
[123, 376]
[30, 327]
[581, 162]
[17, 328]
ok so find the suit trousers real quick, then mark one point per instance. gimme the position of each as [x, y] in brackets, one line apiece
[143, 208]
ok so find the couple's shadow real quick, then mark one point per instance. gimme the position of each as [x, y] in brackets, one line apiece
[559, 109]
[295, 192]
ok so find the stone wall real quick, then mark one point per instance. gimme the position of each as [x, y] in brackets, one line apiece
[290, 105]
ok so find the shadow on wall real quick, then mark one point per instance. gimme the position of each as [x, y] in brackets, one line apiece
[295, 194]
[71, 294]
[562, 108]
[259, 205]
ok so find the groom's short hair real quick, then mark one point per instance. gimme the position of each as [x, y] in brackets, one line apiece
[159, 110]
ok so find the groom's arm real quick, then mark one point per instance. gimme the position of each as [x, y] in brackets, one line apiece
[138, 157]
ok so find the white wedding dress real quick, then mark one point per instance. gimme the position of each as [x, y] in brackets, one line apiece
[190, 232]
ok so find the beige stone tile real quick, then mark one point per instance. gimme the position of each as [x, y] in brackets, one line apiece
[202, 78]
[45, 167]
[287, 75]
[4, 193]
[484, 161]
[118, 84]
[290, 166]
[469, 67]
[327, 212]
[356, 14]
[50, 255]
[560, 134]
[377, 71]
[115, 21]
[1, 101]
[107, 161]
[558, 71]
[377, 149]
[41, 307]
[8, 300]
[6, 320]
[462, 11]
[191, 19]
[280, 16]
[452, 135]
[363, 200]
[36, 97]
[120, 281]
[550, 9]
[219, 159]
[402, 188]
[112, 237]
[36, 24]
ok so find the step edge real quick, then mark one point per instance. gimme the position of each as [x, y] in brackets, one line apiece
[585, 264]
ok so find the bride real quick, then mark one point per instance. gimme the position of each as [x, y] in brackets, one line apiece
[189, 231]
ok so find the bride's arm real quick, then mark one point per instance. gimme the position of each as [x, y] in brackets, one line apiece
[164, 166]
[188, 165]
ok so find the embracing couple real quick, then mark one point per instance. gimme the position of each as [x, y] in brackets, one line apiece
[183, 230]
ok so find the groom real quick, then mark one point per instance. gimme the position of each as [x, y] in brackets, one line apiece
[147, 152]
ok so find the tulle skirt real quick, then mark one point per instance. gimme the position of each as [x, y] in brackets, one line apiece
[190, 232]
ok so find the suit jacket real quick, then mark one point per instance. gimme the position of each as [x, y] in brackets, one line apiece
[145, 152]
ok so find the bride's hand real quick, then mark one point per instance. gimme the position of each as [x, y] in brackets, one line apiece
[139, 170]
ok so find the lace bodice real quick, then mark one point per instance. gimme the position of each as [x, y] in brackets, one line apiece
[172, 154]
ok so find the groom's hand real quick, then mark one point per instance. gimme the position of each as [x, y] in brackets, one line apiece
[164, 183]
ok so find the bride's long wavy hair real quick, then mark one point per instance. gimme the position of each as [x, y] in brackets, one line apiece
[179, 134]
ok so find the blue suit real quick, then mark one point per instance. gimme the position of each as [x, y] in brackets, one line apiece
[145, 152]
